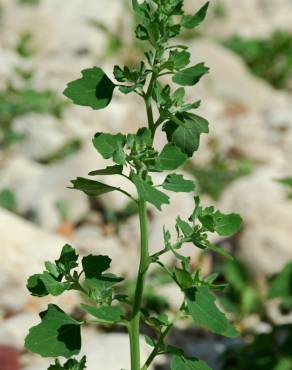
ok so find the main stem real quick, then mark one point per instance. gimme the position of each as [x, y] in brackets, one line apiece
[134, 327]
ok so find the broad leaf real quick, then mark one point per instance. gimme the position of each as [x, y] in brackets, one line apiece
[141, 33]
[107, 144]
[184, 278]
[110, 170]
[57, 334]
[184, 226]
[106, 314]
[177, 59]
[179, 362]
[177, 183]
[94, 89]
[148, 193]
[53, 286]
[189, 21]
[223, 224]
[170, 158]
[91, 187]
[201, 306]
[36, 286]
[281, 286]
[71, 364]
[187, 135]
[94, 266]
[68, 259]
[190, 76]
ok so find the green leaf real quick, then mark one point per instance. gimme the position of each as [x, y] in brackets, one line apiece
[68, 259]
[183, 363]
[185, 227]
[110, 170]
[189, 21]
[94, 89]
[71, 364]
[8, 199]
[141, 33]
[170, 158]
[190, 76]
[223, 224]
[201, 306]
[281, 285]
[107, 144]
[106, 314]
[57, 334]
[93, 266]
[148, 193]
[184, 278]
[187, 135]
[287, 181]
[227, 224]
[177, 183]
[36, 286]
[91, 187]
[177, 59]
[52, 269]
[53, 286]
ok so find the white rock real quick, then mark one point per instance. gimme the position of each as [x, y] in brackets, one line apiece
[90, 240]
[265, 240]
[24, 249]
[228, 73]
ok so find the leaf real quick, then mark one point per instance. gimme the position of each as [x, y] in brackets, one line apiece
[93, 266]
[287, 181]
[106, 314]
[190, 76]
[68, 259]
[8, 199]
[148, 193]
[94, 89]
[178, 59]
[185, 227]
[281, 285]
[183, 363]
[170, 158]
[53, 286]
[57, 334]
[177, 183]
[201, 306]
[189, 21]
[36, 286]
[227, 224]
[223, 224]
[71, 364]
[110, 170]
[141, 33]
[52, 269]
[108, 144]
[91, 187]
[184, 278]
[187, 135]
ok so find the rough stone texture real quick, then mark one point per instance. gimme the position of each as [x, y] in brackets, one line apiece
[91, 240]
[265, 241]
[24, 249]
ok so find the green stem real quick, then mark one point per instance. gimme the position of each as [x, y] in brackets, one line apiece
[134, 327]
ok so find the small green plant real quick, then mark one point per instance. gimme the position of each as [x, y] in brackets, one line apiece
[259, 350]
[270, 58]
[135, 157]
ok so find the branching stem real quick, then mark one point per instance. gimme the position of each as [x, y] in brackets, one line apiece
[134, 327]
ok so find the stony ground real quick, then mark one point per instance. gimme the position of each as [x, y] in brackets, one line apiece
[249, 119]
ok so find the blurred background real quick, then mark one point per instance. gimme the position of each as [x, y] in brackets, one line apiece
[243, 166]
